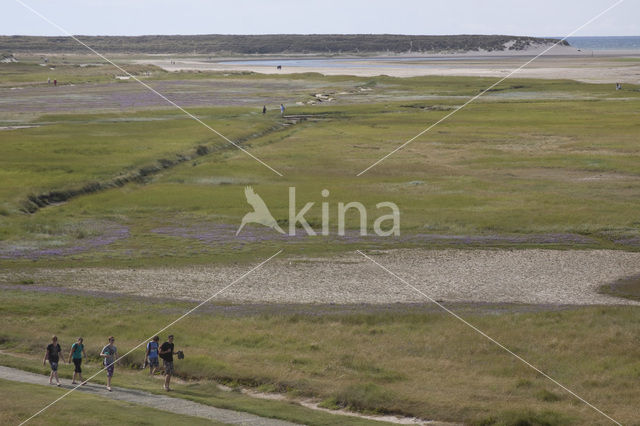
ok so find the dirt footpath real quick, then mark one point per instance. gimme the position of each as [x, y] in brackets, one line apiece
[490, 276]
[160, 402]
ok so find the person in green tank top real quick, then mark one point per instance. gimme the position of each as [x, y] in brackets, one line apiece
[76, 354]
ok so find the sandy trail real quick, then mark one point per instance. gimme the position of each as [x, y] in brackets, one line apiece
[532, 276]
[159, 402]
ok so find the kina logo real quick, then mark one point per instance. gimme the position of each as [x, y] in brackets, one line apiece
[263, 216]
[260, 213]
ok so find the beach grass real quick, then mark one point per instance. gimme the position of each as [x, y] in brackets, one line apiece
[409, 360]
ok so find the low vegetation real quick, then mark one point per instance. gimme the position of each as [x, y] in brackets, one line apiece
[414, 361]
[19, 399]
[533, 158]
[272, 43]
[32, 70]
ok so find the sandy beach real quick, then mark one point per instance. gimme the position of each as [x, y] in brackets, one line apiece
[558, 63]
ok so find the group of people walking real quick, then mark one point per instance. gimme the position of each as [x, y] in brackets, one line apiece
[109, 354]
[165, 351]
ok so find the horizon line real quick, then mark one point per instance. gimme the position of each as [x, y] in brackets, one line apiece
[308, 34]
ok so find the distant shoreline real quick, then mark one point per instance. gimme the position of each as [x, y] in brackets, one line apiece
[561, 62]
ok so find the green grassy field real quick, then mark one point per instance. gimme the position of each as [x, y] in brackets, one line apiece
[557, 159]
[533, 157]
[72, 151]
[406, 360]
[73, 69]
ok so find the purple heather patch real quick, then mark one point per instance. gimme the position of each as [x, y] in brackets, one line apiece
[629, 241]
[212, 234]
[91, 96]
[217, 234]
[111, 232]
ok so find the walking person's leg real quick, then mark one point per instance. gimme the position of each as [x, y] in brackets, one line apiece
[110, 369]
[167, 382]
[77, 362]
[54, 372]
[168, 371]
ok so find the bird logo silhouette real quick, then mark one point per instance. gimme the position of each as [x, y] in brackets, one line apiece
[260, 213]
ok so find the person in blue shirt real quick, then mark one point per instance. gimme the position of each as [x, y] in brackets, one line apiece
[151, 356]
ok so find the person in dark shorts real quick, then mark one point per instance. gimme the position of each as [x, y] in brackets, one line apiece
[110, 355]
[166, 353]
[53, 354]
[151, 356]
[76, 354]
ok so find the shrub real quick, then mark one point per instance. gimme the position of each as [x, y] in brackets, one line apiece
[548, 396]
[364, 397]
[524, 418]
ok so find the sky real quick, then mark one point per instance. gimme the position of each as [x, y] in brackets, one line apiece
[137, 17]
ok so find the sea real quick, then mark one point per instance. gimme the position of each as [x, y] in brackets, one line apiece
[605, 43]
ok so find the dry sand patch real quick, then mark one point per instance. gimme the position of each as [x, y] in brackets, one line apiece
[533, 276]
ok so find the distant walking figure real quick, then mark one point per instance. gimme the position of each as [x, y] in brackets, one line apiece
[151, 356]
[260, 213]
[48, 80]
[110, 355]
[264, 109]
[76, 354]
[53, 354]
[55, 82]
[618, 86]
[281, 109]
